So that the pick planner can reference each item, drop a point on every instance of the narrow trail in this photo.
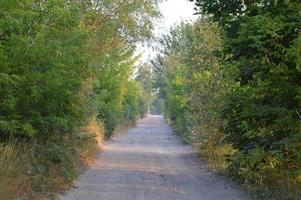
(149, 162)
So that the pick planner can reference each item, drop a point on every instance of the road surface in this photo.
(149, 162)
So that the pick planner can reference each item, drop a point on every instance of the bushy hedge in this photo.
(233, 77)
(61, 64)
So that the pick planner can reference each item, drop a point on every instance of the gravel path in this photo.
(149, 162)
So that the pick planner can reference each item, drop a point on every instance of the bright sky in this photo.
(173, 11)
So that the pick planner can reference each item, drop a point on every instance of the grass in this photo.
(283, 185)
(38, 172)
(280, 186)
(216, 156)
(14, 168)
(88, 142)
(122, 128)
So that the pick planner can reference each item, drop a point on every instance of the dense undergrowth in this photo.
(39, 171)
(231, 86)
(66, 80)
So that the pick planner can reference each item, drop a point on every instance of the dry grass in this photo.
(89, 142)
(14, 171)
(16, 165)
(122, 128)
(216, 156)
(96, 128)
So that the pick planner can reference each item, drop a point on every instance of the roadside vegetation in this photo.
(66, 81)
(231, 86)
(229, 83)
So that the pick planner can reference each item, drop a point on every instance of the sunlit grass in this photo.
(89, 141)
(216, 156)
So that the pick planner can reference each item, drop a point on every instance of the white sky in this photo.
(173, 11)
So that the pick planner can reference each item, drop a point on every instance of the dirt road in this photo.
(149, 162)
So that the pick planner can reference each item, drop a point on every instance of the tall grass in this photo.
(89, 141)
(216, 156)
(14, 169)
(280, 184)
(31, 171)
(269, 185)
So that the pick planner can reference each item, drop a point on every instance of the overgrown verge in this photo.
(231, 84)
(64, 65)
(14, 167)
(39, 171)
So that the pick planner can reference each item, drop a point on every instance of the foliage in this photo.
(132, 102)
(239, 87)
(157, 106)
(261, 113)
(62, 63)
(41, 48)
(191, 81)
(145, 78)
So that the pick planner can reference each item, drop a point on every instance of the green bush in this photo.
(157, 106)
(39, 60)
(239, 87)
(62, 62)
(53, 167)
(192, 84)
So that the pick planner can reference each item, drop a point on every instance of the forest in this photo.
(229, 84)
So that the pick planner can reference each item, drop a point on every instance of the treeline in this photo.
(231, 82)
(66, 68)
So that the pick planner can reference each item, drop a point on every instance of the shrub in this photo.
(62, 62)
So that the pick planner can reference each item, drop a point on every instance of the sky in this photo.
(173, 11)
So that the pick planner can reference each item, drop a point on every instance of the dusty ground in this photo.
(149, 162)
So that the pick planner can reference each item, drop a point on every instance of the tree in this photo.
(145, 77)
(191, 80)
(261, 112)
(62, 63)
